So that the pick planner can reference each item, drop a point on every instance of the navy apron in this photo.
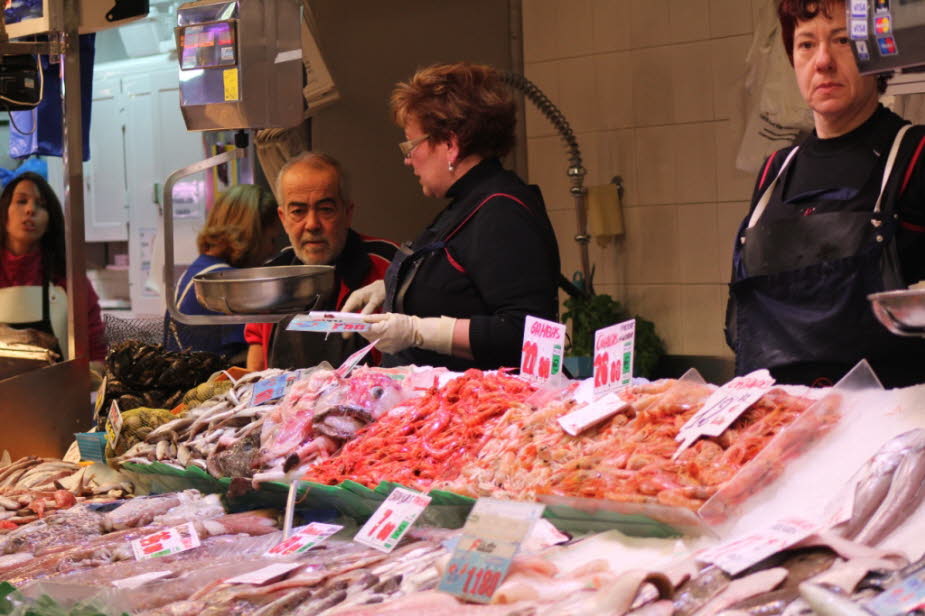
(800, 285)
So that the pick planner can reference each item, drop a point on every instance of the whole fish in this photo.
(905, 495)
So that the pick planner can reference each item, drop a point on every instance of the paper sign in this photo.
(355, 358)
(392, 519)
(541, 356)
(906, 597)
(329, 322)
(578, 421)
(114, 425)
(613, 357)
(735, 556)
(723, 407)
(491, 538)
(264, 575)
(304, 538)
(273, 388)
(140, 580)
(165, 542)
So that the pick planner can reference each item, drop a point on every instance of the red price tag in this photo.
(613, 357)
(392, 519)
(541, 353)
(168, 541)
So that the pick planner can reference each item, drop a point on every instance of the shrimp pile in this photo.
(429, 437)
(627, 458)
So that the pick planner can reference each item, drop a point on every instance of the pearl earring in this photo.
(451, 168)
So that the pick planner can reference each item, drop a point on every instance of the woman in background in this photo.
(32, 266)
(240, 231)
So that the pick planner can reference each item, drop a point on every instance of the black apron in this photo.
(800, 287)
(405, 265)
(44, 324)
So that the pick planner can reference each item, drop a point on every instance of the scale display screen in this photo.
(207, 45)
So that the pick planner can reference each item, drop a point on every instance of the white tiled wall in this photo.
(651, 89)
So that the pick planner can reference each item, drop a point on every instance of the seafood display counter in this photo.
(805, 492)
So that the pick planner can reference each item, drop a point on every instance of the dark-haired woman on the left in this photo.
(32, 265)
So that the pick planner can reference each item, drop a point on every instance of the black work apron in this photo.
(800, 285)
(406, 263)
(43, 325)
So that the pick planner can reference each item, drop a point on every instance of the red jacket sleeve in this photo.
(259, 333)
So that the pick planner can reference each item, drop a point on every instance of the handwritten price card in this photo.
(273, 388)
(736, 556)
(613, 357)
(723, 407)
(165, 542)
(304, 539)
(491, 537)
(328, 322)
(114, 425)
(392, 519)
(541, 356)
(355, 358)
(903, 598)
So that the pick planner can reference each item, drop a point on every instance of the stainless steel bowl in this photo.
(265, 290)
(901, 312)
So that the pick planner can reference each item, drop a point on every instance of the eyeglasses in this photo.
(407, 147)
(296, 212)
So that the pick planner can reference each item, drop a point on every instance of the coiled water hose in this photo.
(576, 172)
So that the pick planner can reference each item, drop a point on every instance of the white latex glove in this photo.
(366, 300)
(396, 332)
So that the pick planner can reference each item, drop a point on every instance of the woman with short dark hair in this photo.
(833, 220)
(32, 265)
(459, 294)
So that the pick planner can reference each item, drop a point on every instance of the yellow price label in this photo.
(230, 77)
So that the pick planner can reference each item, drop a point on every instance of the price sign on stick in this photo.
(168, 541)
(392, 519)
(740, 554)
(541, 355)
(613, 357)
(490, 540)
(304, 538)
(723, 407)
(114, 425)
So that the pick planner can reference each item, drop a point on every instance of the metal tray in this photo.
(901, 312)
(255, 290)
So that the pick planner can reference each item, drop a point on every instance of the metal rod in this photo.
(77, 321)
(169, 291)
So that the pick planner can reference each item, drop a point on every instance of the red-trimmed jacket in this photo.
(364, 260)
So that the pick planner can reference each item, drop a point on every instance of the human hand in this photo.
(396, 332)
(366, 300)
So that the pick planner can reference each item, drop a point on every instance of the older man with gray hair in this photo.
(316, 212)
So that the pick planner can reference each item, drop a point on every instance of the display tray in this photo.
(447, 509)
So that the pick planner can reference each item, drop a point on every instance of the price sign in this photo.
(264, 575)
(168, 541)
(304, 538)
(273, 388)
(355, 358)
(328, 322)
(392, 519)
(541, 355)
(490, 540)
(736, 556)
(114, 423)
(723, 407)
(613, 357)
(578, 421)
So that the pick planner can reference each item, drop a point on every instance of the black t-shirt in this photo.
(509, 259)
(844, 174)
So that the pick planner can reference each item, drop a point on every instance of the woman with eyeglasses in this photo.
(457, 296)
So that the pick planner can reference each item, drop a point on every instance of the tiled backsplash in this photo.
(652, 89)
